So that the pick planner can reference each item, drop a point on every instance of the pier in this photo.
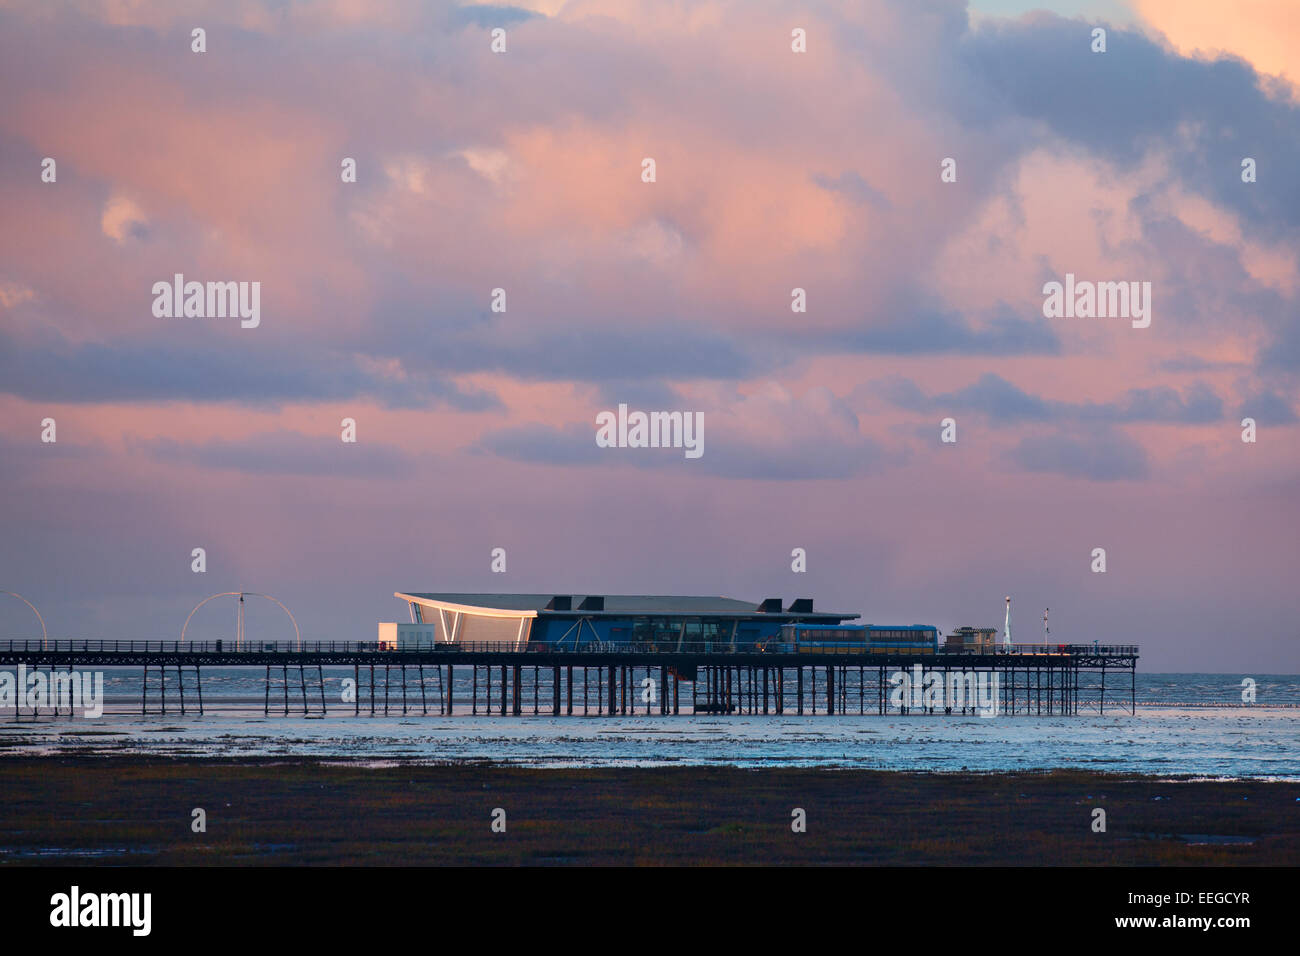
(613, 679)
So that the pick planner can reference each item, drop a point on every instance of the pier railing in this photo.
(183, 648)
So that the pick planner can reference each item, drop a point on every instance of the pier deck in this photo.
(608, 679)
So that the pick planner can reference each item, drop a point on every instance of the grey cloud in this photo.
(1267, 407)
(1004, 402)
(932, 332)
(1139, 95)
(53, 369)
(284, 453)
(646, 394)
(1101, 455)
(489, 15)
(851, 184)
(781, 459)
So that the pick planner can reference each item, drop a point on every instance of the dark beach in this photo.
(138, 811)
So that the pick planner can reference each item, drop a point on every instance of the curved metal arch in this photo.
(297, 637)
(44, 638)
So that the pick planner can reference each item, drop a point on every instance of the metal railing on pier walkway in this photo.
(333, 648)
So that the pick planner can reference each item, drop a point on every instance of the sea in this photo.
(1182, 726)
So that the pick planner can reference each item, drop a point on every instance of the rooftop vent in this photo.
(592, 602)
(801, 606)
(561, 602)
(770, 606)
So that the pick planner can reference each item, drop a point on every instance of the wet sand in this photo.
(138, 811)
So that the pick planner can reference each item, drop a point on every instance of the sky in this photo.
(774, 170)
